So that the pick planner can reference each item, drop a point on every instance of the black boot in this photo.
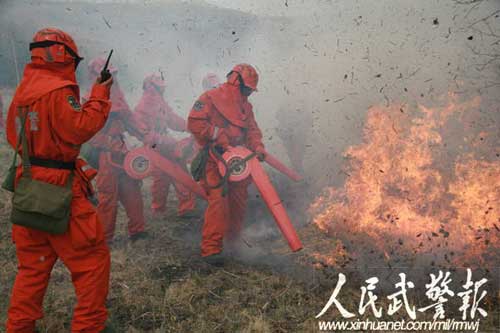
(216, 260)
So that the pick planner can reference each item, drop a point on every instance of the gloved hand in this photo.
(261, 153)
(107, 82)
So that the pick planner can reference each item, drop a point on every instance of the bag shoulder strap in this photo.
(24, 143)
(19, 137)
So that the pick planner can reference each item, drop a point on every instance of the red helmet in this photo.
(97, 64)
(210, 81)
(248, 75)
(54, 45)
(154, 80)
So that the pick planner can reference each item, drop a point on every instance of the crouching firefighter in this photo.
(220, 118)
(52, 217)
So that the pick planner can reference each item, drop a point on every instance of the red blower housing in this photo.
(240, 164)
(140, 162)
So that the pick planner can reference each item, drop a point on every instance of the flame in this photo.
(405, 196)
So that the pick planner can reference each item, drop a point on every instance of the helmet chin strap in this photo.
(244, 89)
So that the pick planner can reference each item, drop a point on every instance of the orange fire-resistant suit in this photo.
(223, 117)
(156, 116)
(56, 126)
(113, 184)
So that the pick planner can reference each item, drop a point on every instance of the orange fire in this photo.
(418, 187)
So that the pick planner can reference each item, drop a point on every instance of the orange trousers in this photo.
(83, 251)
(159, 192)
(224, 215)
(114, 185)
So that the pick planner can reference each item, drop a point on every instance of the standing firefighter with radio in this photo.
(51, 213)
(221, 118)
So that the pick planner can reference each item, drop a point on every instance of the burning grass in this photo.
(409, 195)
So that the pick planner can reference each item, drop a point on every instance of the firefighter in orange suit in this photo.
(223, 117)
(113, 183)
(157, 117)
(57, 125)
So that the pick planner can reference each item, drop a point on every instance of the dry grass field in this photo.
(161, 285)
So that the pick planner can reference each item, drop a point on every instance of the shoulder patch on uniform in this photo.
(74, 103)
(198, 105)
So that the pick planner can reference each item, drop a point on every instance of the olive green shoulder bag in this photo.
(37, 204)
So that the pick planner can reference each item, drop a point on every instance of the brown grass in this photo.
(161, 284)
